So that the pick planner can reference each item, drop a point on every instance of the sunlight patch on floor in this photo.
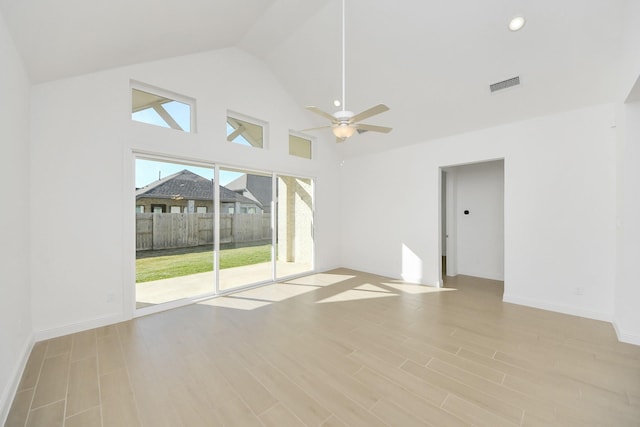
(320, 279)
(276, 292)
(365, 291)
(261, 296)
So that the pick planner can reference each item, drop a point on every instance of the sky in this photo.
(148, 171)
(180, 112)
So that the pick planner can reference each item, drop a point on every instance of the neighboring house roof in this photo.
(256, 187)
(190, 186)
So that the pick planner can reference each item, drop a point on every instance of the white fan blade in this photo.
(380, 108)
(318, 128)
(373, 128)
(321, 113)
(233, 135)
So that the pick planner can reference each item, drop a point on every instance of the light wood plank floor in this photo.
(341, 348)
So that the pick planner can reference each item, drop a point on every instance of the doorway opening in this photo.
(472, 220)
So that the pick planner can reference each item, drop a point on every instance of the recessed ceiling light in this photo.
(517, 23)
(336, 103)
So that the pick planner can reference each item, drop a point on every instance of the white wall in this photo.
(559, 208)
(627, 292)
(627, 311)
(15, 303)
(480, 234)
(82, 170)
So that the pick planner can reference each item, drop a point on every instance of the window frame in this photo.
(161, 206)
(311, 139)
(174, 96)
(251, 120)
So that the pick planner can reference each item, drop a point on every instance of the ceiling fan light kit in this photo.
(345, 124)
(343, 131)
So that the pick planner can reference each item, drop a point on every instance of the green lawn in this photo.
(185, 262)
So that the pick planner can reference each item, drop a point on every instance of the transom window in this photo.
(245, 131)
(299, 146)
(159, 108)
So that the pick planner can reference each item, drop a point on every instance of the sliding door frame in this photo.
(159, 157)
(216, 291)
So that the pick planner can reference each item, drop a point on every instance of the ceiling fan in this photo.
(345, 123)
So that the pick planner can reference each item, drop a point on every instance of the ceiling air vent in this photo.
(514, 81)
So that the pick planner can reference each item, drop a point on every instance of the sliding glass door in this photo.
(205, 230)
(174, 231)
(294, 250)
(246, 231)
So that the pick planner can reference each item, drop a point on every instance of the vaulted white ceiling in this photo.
(430, 61)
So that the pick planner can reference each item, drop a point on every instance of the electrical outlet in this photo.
(579, 290)
(110, 297)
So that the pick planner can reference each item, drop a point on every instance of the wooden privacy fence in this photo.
(183, 230)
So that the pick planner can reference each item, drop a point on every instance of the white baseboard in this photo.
(565, 309)
(9, 392)
(415, 280)
(625, 336)
(79, 327)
